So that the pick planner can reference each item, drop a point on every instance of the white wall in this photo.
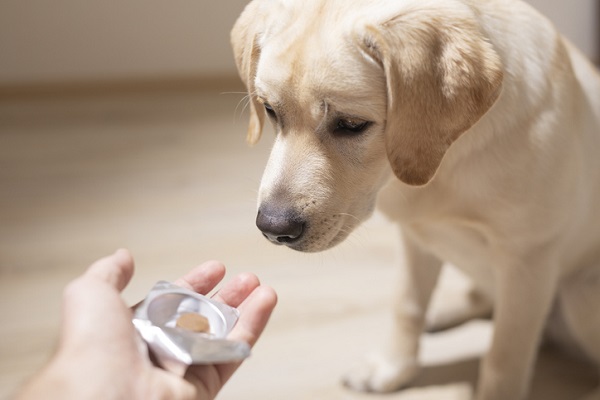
(578, 20)
(66, 40)
(82, 40)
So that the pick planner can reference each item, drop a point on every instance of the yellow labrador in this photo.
(476, 124)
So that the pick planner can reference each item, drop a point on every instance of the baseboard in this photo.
(120, 86)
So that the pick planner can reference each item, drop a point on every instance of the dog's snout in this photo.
(279, 226)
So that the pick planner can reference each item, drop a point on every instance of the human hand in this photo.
(100, 355)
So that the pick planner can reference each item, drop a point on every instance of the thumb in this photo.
(93, 300)
(116, 269)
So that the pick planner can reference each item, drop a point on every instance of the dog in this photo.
(473, 124)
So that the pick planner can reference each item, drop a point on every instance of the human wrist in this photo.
(51, 382)
(63, 377)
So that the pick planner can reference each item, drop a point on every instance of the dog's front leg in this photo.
(524, 294)
(397, 365)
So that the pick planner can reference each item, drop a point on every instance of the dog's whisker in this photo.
(348, 215)
(223, 93)
(245, 100)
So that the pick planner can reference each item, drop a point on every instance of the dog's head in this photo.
(352, 89)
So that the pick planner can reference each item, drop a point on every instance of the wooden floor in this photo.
(169, 176)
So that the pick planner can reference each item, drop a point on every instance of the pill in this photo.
(193, 322)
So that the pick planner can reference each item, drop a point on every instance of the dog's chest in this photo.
(446, 227)
(460, 242)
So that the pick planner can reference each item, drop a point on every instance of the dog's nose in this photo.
(279, 226)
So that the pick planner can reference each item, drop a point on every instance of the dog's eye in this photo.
(351, 125)
(269, 110)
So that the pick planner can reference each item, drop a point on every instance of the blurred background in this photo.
(122, 124)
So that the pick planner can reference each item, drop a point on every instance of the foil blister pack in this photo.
(176, 346)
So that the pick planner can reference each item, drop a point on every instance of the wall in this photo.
(79, 40)
(578, 20)
(45, 41)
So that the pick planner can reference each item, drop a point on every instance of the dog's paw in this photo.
(378, 374)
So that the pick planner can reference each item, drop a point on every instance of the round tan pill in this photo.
(193, 322)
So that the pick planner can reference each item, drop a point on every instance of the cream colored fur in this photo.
(482, 142)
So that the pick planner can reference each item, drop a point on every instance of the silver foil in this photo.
(174, 348)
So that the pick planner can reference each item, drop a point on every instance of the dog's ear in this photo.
(442, 76)
(246, 51)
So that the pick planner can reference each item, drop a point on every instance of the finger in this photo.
(116, 269)
(234, 292)
(255, 312)
(203, 278)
